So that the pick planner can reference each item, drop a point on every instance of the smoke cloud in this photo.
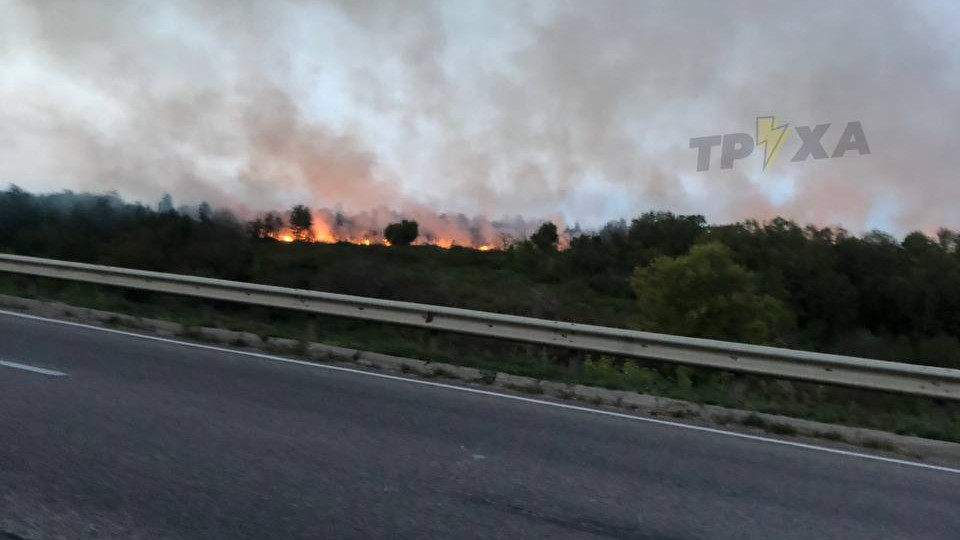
(572, 111)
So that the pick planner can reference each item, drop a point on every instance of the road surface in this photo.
(106, 435)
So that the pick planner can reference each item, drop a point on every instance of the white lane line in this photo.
(566, 406)
(34, 369)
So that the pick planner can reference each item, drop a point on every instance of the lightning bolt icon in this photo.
(771, 137)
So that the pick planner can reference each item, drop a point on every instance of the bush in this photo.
(706, 294)
(546, 237)
(403, 233)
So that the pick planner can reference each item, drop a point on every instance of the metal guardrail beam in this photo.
(782, 363)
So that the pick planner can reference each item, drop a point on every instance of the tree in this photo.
(166, 204)
(204, 212)
(403, 233)
(272, 223)
(662, 233)
(707, 294)
(301, 222)
(506, 240)
(256, 228)
(546, 237)
(948, 240)
(266, 226)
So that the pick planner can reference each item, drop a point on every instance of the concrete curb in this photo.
(915, 447)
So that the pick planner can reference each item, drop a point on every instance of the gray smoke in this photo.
(574, 111)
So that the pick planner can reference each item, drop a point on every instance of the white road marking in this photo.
(34, 369)
(566, 406)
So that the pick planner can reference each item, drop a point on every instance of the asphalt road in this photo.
(147, 439)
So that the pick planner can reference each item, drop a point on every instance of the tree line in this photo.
(776, 282)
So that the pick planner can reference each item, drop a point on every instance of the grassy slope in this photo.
(458, 277)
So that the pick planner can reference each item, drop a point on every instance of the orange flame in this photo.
(324, 231)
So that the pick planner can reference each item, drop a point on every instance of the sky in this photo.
(576, 111)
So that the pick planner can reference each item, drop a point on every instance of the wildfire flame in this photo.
(441, 230)
(322, 236)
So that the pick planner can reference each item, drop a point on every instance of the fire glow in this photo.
(441, 230)
(287, 236)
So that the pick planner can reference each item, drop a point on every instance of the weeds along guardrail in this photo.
(934, 382)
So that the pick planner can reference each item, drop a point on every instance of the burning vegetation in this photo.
(387, 228)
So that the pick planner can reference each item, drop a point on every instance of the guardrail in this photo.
(737, 357)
